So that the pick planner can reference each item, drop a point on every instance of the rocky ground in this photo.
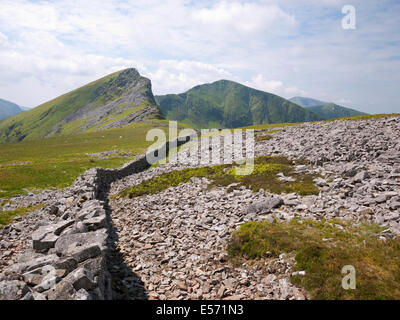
(175, 242)
(16, 238)
(172, 245)
(360, 165)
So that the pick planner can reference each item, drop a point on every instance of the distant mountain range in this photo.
(228, 104)
(125, 97)
(8, 109)
(326, 110)
(117, 100)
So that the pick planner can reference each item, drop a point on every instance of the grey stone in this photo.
(46, 236)
(97, 265)
(80, 239)
(380, 199)
(81, 279)
(20, 268)
(265, 206)
(13, 290)
(395, 205)
(34, 277)
(47, 283)
(64, 290)
(38, 296)
(349, 170)
(44, 243)
(82, 253)
(68, 264)
(53, 210)
(5, 244)
(82, 294)
(28, 297)
(95, 223)
(361, 176)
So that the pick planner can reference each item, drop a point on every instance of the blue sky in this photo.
(287, 47)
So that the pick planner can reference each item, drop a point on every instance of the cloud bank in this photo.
(285, 47)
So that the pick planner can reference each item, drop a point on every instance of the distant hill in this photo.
(307, 102)
(227, 104)
(325, 109)
(332, 111)
(116, 100)
(8, 109)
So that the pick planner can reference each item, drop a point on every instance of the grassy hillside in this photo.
(307, 102)
(229, 104)
(57, 161)
(325, 109)
(8, 109)
(113, 101)
(332, 111)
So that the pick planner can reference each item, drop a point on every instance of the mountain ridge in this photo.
(307, 102)
(226, 103)
(116, 100)
(328, 110)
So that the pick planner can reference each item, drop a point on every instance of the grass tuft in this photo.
(264, 177)
(322, 249)
(6, 217)
(263, 138)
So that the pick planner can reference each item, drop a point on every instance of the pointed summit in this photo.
(116, 100)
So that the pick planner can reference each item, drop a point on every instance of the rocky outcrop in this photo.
(67, 256)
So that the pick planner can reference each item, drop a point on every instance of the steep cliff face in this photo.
(117, 100)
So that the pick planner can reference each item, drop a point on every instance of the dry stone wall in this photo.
(67, 256)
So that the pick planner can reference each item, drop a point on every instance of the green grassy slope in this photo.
(229, 104)
(307, 102)
(57, 161)
(332, 111)
(326, 110)
(62, 115)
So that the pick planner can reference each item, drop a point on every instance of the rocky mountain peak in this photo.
(119, 99)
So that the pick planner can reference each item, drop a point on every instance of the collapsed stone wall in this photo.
(67, 258)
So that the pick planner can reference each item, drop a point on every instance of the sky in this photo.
(286, 47)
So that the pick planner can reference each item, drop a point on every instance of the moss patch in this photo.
(263, 137)
(264, 176)
(322, 249)
(6, 217)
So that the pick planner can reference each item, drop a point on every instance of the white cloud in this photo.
(172, 76)
(258, 82)
(242, 17)
(3, 40)
(292, 91)
(274, 86)
(39, 65)
(23, 14)
(286, 47)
